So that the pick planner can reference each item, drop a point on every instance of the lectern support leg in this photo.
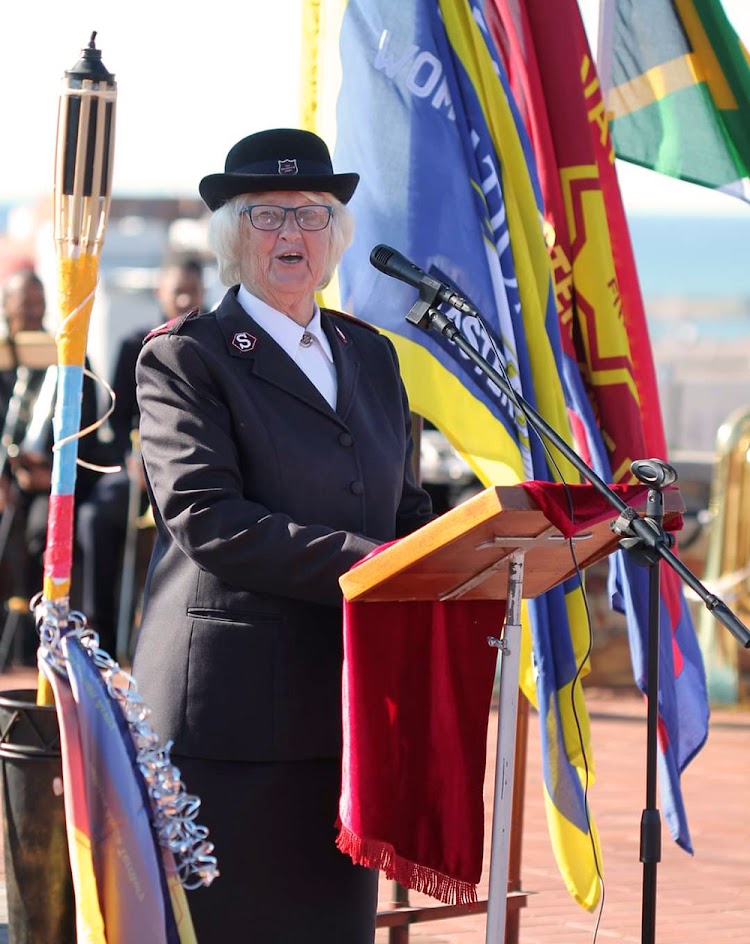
(509, 647)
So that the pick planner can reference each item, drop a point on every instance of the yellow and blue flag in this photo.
(415, 97)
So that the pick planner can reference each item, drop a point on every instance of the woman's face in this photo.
(283, 266)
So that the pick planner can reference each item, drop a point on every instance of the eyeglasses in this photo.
(312, 216)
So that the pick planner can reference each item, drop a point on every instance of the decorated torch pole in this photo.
(129, 883)
(82, 192)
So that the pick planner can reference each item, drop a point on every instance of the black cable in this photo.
(589, 647)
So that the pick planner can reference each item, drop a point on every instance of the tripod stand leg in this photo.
(506, 749)
(651, 820)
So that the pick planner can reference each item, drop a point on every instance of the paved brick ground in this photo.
(700, 900)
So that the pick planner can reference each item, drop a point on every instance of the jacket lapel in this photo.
(346, 360)
(246, 341)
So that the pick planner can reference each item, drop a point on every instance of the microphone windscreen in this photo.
(381, 256)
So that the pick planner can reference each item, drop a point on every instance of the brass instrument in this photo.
(27, 428)
(19, 418)
(14, 416)
(16, 603)
(38, 434)
(126, 614)
(727, 565)
(33, 356)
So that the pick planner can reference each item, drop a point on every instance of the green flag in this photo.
(676, 83)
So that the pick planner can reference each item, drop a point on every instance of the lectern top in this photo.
(464, 553)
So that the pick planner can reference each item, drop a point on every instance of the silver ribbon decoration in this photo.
(174, 809)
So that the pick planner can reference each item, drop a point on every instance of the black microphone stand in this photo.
(642, 537)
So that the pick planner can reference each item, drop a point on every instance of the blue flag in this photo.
(423, 113)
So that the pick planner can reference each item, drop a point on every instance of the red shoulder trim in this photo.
(347, 317)
(174, 325)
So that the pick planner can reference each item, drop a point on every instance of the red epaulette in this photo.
(347, 317)
(174, 325)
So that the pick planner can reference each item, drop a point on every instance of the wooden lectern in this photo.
(498, 545)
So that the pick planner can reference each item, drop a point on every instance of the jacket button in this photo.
(357, 487)
(346, 439)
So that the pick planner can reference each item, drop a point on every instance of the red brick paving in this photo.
(700, 899)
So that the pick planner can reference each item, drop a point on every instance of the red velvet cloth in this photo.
(573, 507)
(417, 687)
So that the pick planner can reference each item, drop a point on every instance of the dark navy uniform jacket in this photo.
(263, 496)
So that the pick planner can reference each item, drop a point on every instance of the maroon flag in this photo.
(603, 324)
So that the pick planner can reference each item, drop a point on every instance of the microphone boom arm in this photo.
(424, 316)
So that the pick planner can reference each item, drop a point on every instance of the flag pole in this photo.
(82, 193)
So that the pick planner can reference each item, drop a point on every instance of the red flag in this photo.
(598, 296)
(604, 327)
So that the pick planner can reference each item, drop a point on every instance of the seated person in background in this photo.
(28, 398)
(103, 519)
(23, 306)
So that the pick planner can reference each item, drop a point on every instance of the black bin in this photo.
(41, 905)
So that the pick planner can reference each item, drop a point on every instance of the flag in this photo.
(676, 83)
(126, 886)
(604, 330)
(447, 178)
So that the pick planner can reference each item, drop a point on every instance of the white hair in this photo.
(224, 236)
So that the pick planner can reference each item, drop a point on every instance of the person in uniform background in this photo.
(30, 393)
(277, 445)
(23, 308)
(103, 519)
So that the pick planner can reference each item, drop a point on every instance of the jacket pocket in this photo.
(229, 710)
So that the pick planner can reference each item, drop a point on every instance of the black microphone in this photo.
(393, 263)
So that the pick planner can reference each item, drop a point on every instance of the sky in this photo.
(194, 80)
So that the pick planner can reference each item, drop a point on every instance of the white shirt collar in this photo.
(285, 332)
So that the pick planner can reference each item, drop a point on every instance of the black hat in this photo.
(280, 159)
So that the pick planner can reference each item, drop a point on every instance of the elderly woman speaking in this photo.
(277, 444)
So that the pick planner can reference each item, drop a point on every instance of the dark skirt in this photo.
(282, 881)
